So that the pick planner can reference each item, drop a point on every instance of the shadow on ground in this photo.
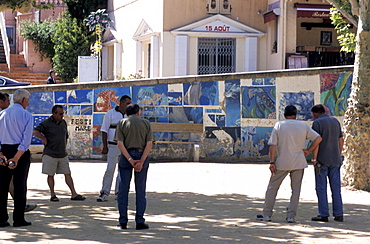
(183, 217)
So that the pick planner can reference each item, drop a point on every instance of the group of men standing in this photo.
(289, 138)
(127, 141)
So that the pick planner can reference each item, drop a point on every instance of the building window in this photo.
(10, 32)
(219, 6)
(216, 55)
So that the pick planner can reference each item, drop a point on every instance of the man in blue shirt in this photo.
(327, 155)
(16, 124)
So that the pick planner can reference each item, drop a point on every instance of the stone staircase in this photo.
(20, 72)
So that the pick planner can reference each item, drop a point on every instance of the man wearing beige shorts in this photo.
(53, 133)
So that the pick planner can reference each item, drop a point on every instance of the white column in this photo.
(138, 56)
(181, 55)
(250, 63)
(154, 59)
(117, 71)
(104, 63)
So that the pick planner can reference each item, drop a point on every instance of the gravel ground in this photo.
(187, 203)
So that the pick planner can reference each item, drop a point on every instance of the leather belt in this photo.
(112, 143)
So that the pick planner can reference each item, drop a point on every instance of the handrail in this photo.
(5, 39)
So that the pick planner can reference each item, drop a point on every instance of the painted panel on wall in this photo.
(264, 81)
(259, 102)
(302, 100)
(80, 96)
(232, 97)
(107, 98)
(36, 121)
(201, 93)
(224, 140)
(60, 96)
(155, 114)
(150, 95)
(97, 139)
(175, 98)
(334, 92)
(254, 140)
(186, 115)
(80, 135)
(41, 103)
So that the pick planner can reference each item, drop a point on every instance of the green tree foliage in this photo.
(22, 6)
(346, 38)
(41, 35)
(70, 41)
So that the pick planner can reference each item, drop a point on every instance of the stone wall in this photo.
(237, 111)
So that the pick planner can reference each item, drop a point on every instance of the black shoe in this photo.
(142, 226)
(122, 226)
(30, 207)
(4, 224)
(339, 218)
(320, 218)
(19, 224)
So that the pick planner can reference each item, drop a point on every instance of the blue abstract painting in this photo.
(186, 115)
(259, 102)
(36, 121)
(41, 103)
(302, 100)
(264, 81)
(201, 93)
(155, 114)
(225, 138)
(232, 97)
(254, 140)
(175, 98)
(60, 96)
(155, 95)
(80, 96)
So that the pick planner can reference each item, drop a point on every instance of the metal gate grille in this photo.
(216, 55)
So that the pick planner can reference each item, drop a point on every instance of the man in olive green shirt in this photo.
(135, 138)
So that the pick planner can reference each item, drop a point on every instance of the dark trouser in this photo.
(125, 170)
(20, 174)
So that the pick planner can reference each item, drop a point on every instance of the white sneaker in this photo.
(263, 217)
(290, 220)
(102, 198)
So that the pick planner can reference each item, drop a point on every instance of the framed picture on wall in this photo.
(326, 38)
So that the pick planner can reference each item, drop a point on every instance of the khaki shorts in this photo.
(52, 166)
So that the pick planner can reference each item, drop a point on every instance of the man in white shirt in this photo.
(288, 138)
(110, 147)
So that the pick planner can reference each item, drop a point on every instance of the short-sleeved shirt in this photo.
(56, 135)
(111, 118)
(330, 130)
(290, 136)
(134, 132)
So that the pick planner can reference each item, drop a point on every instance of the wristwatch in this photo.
(129, 159)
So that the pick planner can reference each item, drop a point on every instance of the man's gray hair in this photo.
(20, 94)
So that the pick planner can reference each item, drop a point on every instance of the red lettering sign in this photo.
(217, 28)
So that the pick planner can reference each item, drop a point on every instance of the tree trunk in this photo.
(357, 117)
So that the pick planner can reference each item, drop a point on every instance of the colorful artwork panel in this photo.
(259, 102)
(74, 110)
(186, 115)
(41, 103)
(221, 120)
(80, 96)
(201, 93)
(150, 95)
(155, 114)
(36, 121)
(302, 100)
(334, 92)
(107, 98)
(254, 140)
(175, 98)
(97, 139)
(232, 96)
(86, 109)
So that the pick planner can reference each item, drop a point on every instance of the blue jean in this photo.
(332, 173)
(125, 170)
